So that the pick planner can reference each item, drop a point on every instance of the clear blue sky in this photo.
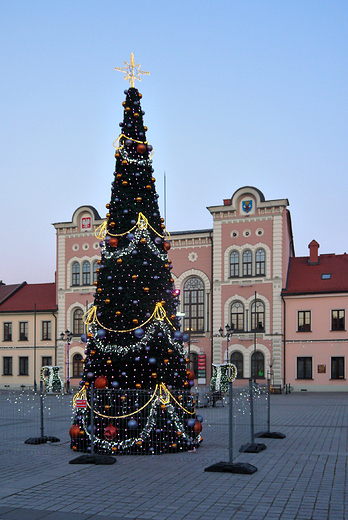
(246, 92)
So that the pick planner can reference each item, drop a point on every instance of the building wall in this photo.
(321, 344)
(34, 348)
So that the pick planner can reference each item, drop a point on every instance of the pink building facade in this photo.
(315, 328)
(231, 274)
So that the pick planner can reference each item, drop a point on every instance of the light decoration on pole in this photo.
(67, 336)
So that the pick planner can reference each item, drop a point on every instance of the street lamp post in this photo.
(229, 332)
(67, 337)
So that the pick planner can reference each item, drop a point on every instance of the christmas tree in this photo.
(135, 357)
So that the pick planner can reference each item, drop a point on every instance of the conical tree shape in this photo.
(134, 346)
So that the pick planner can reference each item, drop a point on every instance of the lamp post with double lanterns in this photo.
(67, 336)
(229, 332)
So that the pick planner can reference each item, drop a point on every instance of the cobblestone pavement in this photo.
(301, 477)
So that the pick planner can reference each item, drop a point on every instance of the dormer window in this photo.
(326, 276)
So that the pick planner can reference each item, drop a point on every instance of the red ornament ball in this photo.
(166, 245)
(190, 375)
(74, 431)
(113, 241)
(110, 432)
(141, 148)
(101, 382)
(197, 427)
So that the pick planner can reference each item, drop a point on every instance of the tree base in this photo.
(93, 459)
(242, 468)
(41, 440)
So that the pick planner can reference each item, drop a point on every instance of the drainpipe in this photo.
(284, 340)
(211, 307)
(55, 339)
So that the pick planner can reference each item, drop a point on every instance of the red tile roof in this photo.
(7, 290)
(41, 294)
(307, 279)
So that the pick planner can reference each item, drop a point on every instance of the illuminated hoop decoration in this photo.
(50, 376)
(232, 372)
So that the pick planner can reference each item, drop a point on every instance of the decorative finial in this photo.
(132, 71)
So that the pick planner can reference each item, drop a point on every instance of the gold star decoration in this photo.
(131, 71)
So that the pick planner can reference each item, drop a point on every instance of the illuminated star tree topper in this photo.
(132, 71)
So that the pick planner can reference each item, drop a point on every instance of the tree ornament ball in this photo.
(141, 148)
(139, 199)
(101, 333)
(101, 382)
(191, 423)
(74, 431)
(166, 245)
(197, 427)
(190, 375)
(113, 242)
(139, 333)
(132, 424)
(110, 432)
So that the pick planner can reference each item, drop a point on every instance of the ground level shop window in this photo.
(304, 368)
(337, 368)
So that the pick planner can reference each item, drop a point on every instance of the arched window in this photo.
(257, 365)
(258, 316)
(234, 264)
(194, 305)
(95, 267)
(77, 365)
(78, 326)
(86, 273)
(237, 316)
(260, 262)
(247, 262)
(237, 359)
(193, 363)
(75, 273)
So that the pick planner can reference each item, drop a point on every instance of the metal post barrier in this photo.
(238, 425)
(268, 434)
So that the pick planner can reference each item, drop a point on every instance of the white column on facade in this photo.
(277, 301)
(61, 288)
(217, 302)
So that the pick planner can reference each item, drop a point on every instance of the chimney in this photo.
(227, 202)
(313, 253)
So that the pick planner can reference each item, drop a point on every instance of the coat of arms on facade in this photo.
(247, 205)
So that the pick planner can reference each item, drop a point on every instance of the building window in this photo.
(194, 305)
(237, 360)
(77, 365)
(8, 331)
(23, 366)
(78, 325)
(193, 363)
(234, 264)
(75, 273)
(23, 331)
(95, 273)
(260, 262)
(7, 366)
(337, 368)
(304, 321)
(257, 365)
(338, 320)
(304, 368)
(247, 263)
(258, 316)
(86, 273)
(46, 361)
(237, 316)
(46, 331)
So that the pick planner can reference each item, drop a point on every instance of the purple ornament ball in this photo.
(132, 424)
(139, 333)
